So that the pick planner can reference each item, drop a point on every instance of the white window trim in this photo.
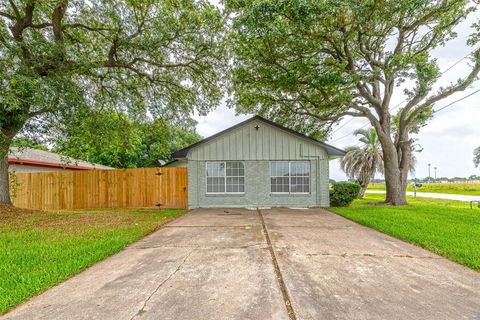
(290, 176)
(225, 177)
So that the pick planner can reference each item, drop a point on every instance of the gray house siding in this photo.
(256, 144)
(266, 143)
(257, 189)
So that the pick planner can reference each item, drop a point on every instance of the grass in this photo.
(468, 189)
(41, 249)
(448, 228)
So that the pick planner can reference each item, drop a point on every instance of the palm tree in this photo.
(361, 163)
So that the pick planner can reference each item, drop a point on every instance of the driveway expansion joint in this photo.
(278, 273)
(357, 255)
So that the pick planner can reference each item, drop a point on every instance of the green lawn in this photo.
(42, 249)
(468, 189)
(448, 228)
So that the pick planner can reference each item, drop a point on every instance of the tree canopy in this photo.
(310, 63)
(122, 142)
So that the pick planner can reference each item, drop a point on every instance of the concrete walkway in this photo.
(273, 264)
(444, 196)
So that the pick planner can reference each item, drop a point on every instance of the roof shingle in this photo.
(30, 154)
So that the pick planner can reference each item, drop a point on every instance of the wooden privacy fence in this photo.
(122, 188)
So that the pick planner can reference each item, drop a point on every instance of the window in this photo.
(290, 177)
(300, 177)
(225, 177)
(235, 176)
(279, 177)
(215, 177)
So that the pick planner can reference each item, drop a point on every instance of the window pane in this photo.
(235, 168)
(215, 169)
(209, 185)
(279, 184)
(300, 168)
(300, 188)
(279, 169)
(215, 184)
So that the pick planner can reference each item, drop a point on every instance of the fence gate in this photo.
(122, 188)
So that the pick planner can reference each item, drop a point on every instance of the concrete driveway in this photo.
(268, 264)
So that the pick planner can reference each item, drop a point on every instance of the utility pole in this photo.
(435, 173)
(429, 176)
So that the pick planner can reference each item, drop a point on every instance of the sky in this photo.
(449, 138)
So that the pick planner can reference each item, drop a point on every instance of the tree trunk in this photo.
(6, 138)
(4, 182)
(394, 181)
(363, 189)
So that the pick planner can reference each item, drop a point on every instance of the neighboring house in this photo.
(257, 163)
(34, 160)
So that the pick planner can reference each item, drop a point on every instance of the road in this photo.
(444, 196)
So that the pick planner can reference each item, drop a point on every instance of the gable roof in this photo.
(331, 150)
(35, 157)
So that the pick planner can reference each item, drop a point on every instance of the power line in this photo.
(336, 130)
(396, 106)
(444, 107)
(404, 100)
(347, 135)
(458, 100)
(453, 65)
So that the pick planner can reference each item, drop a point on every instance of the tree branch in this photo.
(40, 25)
(83, 26)
(6, 15)
(366, 113)
(57, 17)
(460, 86)
(15, 9)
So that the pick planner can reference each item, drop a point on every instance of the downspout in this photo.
(317, 180)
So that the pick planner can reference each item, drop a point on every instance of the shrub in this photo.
(342, 194)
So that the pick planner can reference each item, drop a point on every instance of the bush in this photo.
(342, 194)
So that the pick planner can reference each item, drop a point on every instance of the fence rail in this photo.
(122, 188)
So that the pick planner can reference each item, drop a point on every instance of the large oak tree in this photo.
(137, 56)
(311, 63)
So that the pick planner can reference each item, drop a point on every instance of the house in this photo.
(257, 163)
(34, 160)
